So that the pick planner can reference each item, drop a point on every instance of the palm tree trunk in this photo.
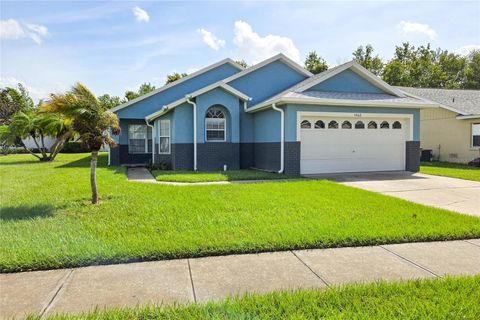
(93, 179)
(44, 155)
(29, 151)
(59, 143)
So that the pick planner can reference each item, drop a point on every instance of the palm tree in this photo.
(91, 121)
(36, 126)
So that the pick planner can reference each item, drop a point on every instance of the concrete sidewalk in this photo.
(212, 278)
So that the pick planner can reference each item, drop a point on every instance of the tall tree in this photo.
(13, 100)
(91, 120)
(365, 57)
(144, 88)
(472, 71)
(109, 101)
(314, 63)
(242, 62)
(425, 68)
(174, 77)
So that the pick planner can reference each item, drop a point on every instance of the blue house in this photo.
(273, 116)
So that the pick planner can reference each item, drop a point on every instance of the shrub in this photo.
(74, 147)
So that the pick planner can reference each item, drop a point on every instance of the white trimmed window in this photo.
(215, 123)
(164, 137)
(138, 138)
(476, 135)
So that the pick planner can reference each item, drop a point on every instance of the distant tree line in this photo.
(421, 67)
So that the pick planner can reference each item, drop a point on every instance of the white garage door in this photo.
(349, 144)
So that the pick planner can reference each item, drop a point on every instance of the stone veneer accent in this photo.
(412, 156)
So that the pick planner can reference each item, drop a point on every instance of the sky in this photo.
(114, 46)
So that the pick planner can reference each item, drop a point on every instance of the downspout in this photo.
(282, 137)
(194, 131)
(153, 141)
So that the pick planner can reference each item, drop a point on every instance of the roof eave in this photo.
(468, 117)
(342, 102)
(206, 89)
(181, 80)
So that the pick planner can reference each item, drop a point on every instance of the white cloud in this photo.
(140, 14)
(252, 47)
(465, 50)
(11, 29)
(211, 40)
(37, 28)
(408, 27)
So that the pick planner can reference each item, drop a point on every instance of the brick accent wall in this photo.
(246, 155)
(120, 156)
(292, 158)
(267, 156)
(182, 156)
(212, 156)
(412, 156)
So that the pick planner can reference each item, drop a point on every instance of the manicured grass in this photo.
(47, 221)
(448, 298)
(231, 175)
(453, 170)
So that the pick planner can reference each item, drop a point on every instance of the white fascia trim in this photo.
(194, 94)
(342, 102)
(361, 71)
(467, 117)
(181, 80)
(279, 56)
(301, 114)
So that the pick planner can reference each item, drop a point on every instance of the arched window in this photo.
(359, 125)
(346, 125)
(384, 125)
(333, 124)
(305, 124)
(319, 124)
(372, 125)
(397, 125)
(215, 122)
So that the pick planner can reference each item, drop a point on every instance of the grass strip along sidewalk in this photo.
(446, 298)
(452, 170)
(231, 175)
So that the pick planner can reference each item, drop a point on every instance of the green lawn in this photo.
(447, 298)
(47, 221)
(454, 170)
(231, 175)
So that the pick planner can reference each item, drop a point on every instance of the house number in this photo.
(357, 114)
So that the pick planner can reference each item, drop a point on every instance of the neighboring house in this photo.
(452, 132)
(274, 116)
(30, 143)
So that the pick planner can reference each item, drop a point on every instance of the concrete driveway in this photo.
(447, 193)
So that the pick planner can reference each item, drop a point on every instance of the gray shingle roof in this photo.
(377, 97)
(467, 102)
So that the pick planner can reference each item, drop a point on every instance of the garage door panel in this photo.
(352, 150)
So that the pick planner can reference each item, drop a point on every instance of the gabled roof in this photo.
(464, 102)
(280, 57)
(355, 67)
(298, 94)
(219, 84)
(181, 80)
